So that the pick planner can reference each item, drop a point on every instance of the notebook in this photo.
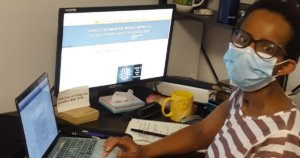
(159, 127)
(37, 118)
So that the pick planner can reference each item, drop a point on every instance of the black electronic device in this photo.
(112, 47)
(150, 110)
(39, 128)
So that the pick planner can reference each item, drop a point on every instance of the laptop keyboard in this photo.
(77, 148)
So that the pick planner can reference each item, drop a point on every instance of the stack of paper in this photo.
(121, 106)
(159, 127)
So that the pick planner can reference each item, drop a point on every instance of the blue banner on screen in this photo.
(84, 35)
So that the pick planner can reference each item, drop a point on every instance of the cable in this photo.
(296, 90)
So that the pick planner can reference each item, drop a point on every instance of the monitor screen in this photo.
(104, 47)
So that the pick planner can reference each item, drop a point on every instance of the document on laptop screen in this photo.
(36, 111)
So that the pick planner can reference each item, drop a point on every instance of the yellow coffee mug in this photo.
(181, 105)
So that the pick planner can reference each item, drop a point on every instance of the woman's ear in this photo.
(287, 67)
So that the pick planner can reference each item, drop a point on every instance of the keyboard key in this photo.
(77, 148)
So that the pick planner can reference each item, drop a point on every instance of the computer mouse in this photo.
(191, 119)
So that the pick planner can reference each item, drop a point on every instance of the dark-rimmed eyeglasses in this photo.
(264, 48)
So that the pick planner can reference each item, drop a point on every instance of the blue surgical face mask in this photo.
(247, 70)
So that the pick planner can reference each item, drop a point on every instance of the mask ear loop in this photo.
(282, 81)
(282, 62)
(279, 72)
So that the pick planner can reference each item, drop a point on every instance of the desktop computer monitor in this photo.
(107, 47)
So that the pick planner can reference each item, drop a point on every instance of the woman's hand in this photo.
(128, 147)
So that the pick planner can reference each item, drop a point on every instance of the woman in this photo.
(258, 120)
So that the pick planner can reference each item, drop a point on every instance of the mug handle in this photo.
(163, 107)
(198, 4)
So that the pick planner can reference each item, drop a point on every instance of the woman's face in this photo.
(267, 25)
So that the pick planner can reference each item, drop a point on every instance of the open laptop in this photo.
(39, 127)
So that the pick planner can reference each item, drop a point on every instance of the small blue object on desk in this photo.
(94, 134)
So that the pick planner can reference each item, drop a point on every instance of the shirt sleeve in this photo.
(283, 145)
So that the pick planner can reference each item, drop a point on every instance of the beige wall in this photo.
(28, 44)
(28, 41)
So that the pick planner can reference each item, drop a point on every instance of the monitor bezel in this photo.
(95, 90)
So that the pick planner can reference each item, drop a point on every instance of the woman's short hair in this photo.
(289, 9)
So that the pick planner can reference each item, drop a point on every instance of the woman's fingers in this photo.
(126, 144)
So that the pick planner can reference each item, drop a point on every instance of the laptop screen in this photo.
(37, 117)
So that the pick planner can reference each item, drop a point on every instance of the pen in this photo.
(94, 134)
(147, 132)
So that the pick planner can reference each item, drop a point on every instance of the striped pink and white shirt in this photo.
(264, 136)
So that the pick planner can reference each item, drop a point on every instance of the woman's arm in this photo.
(191, 138)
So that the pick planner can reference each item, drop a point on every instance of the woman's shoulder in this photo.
(235, 94)
(235, 99)
(284, 121)
(297, 121)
